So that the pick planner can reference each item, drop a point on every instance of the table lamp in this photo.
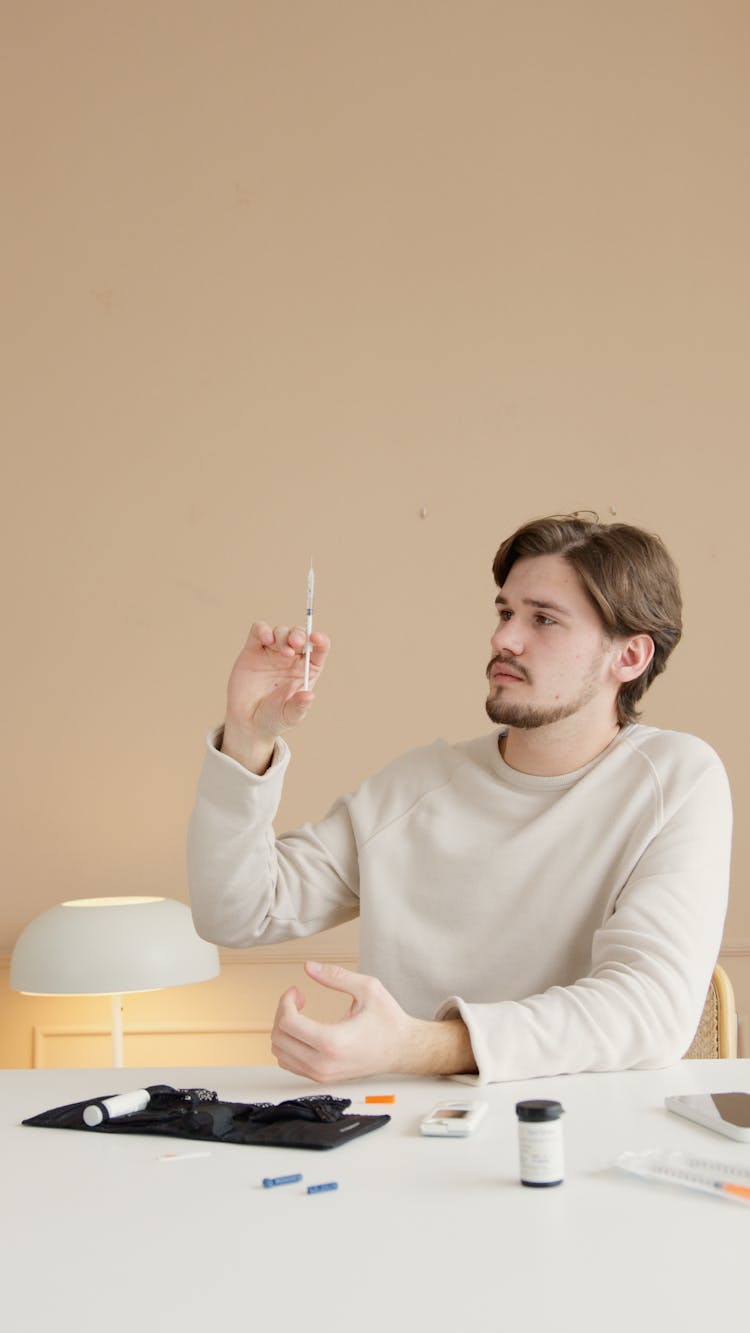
(111, 946)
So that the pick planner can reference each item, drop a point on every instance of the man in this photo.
(546, 899)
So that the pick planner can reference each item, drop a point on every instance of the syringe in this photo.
(696, 1173)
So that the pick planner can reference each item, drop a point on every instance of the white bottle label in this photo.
(540, 1148)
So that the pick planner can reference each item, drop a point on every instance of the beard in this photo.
(527, 717)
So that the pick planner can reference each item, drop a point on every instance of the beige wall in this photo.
(278, 277)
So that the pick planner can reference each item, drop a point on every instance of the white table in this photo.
(424, 1234)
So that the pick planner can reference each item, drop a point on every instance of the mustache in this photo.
(503, 659)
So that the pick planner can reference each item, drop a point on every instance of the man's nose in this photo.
(508, 638)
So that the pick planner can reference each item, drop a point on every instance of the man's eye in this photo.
(503, 613)
(546, 620)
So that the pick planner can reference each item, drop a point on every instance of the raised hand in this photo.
(265, 695)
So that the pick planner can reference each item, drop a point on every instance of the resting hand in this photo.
(376, 1036)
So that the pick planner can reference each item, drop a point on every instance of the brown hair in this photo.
(628, 574)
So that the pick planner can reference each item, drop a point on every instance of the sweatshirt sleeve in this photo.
(249, 887)
(639, 1005)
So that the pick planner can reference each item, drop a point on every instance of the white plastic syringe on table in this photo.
(697, 1173)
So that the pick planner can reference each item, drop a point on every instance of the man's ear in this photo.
(632, 657)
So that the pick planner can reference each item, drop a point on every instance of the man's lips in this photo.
(500, 672)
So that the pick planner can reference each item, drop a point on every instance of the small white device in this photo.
(453, 1120)
(726, 1112)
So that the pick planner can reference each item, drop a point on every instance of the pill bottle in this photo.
(540, 1145)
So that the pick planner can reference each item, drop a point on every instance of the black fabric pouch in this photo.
(195, 1113)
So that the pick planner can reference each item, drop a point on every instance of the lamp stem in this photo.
(116, 1008)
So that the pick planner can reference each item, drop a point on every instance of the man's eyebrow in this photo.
(540, 606)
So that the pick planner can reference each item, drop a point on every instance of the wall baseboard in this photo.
(149, 1045)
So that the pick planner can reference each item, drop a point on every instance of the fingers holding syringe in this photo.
(282, 642)
(267, 683)
(301, 682)
(320, 646)
(316, 648)
(300, 699)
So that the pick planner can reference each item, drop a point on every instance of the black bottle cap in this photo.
(539, 1110)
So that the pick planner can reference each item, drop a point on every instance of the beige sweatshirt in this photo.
(573, 922)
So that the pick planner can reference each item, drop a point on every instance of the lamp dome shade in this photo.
(109, 946)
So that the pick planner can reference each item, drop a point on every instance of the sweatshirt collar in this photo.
(532, 781)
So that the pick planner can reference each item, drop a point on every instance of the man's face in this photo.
(551, 654)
